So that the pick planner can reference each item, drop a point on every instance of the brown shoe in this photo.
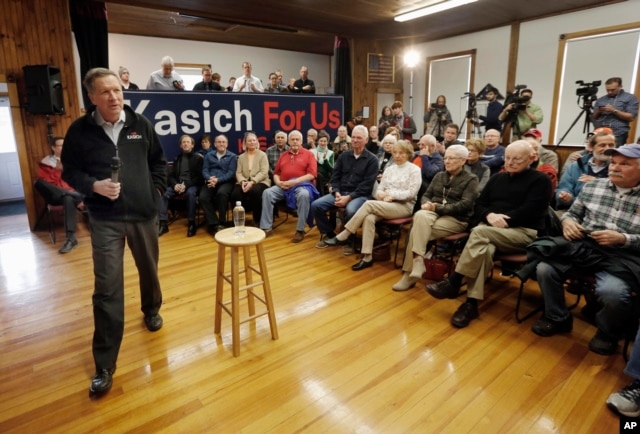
(299, 236)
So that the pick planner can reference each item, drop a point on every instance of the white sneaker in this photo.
(418, 268)
(626, 401)
(407, 282)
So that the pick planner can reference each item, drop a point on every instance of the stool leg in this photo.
(249, 280)
(219, 288)
(267, 292)
(235, 302)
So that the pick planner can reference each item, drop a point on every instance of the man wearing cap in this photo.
(617, 109)
(586, 169)
(546, 156)
(601, 236)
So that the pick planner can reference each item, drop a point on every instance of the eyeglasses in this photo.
(516, 160)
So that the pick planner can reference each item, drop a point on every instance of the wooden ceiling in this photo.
(311, 25)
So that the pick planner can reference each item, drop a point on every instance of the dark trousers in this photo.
(58, 196)
(251, 200)
(190, 196)
(214, 202)
(107, 241)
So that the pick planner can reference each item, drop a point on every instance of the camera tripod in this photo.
(473, 123)
(587, 111)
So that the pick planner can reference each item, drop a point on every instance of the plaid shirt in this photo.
(273, 155)
(600, 206)
(625, 102)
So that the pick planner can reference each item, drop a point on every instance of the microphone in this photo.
(115, 169)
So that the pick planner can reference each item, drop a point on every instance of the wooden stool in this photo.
(252, 237)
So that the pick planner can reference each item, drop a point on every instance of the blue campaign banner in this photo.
(232, 114)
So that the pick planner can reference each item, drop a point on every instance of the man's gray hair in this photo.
(431, 140)
(95, 73)
(167, 60)
(364, 129)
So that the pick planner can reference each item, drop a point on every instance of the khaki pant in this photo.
(371, 212)
(477, 257)
(427, 226)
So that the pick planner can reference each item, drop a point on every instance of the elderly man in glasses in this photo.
(510, 211)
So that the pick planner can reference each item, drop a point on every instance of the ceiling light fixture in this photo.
(433, 9)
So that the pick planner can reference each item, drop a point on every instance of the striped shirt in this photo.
(601, 206)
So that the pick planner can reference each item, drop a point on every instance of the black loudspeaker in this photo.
(44, 90)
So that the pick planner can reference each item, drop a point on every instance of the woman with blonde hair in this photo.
(252, 176)
(395, 198)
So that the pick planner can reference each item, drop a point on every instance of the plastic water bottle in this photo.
(238, 220)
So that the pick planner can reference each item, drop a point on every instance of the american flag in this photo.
(381, 69)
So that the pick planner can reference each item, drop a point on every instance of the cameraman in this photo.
(616, 110)
(437, 118)
(492, 120)
(528, 114)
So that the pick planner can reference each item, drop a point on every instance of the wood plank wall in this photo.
(37, 32)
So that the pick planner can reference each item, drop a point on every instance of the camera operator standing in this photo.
(437, 118)
(616, 110)
(521, 113)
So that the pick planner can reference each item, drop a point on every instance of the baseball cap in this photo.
(603, 130)
(631, 151)
(533, 132)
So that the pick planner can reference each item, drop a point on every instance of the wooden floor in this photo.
(353, 356)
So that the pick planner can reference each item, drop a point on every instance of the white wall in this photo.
(537, 52)
(142, 55)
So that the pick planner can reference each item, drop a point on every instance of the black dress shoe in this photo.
(212, 229)
(442, 289)
(362, 265)
(102, 381)
(153, 322)
(68, 246)
(463, 316)
(547, 327)
(191, 231)
(163, 228)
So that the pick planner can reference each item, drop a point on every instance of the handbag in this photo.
(437, 268)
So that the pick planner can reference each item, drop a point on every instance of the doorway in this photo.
(10, 176)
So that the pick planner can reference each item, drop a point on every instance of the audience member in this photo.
(219, 172)
(545, 156)
(312, 136)
(120, 213)
(627, 400)
(293, 180)
(616, 110)
(274, 85)
(304, 84)
(292, 85)
(207, 83)
(601, 236)
(545, 168)
(232, 83)
(252, 177)
(351, 185)
(493, 155)
(474, 164)
(386, 118)
(165, 78)
(373, 145)
(446, 208)
(428, 159)
(524, 118)
(123, 73)
(385, 159)
(575, 155)
(342, 142)
(511, 210)
(275, 151)
(205, 145)
(56, 191)
(586, 169)
(450, 137)
(437, 118)
(491, 120)
(325, 158)
(247, 83)
(403, 122)
(279, 76)
(185, 178)
(357, 120)
(395, 198)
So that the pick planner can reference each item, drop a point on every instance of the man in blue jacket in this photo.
(219, 172)
(110, 141)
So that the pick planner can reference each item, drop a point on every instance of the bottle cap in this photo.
(238, 203)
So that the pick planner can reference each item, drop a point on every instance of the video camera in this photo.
(587, 89)
(472, 100)
(520, 102)
(439, 111)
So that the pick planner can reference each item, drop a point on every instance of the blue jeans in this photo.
(633, 365)
(613, 293)
(275, 194)
(190, 194)
(322, 205)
